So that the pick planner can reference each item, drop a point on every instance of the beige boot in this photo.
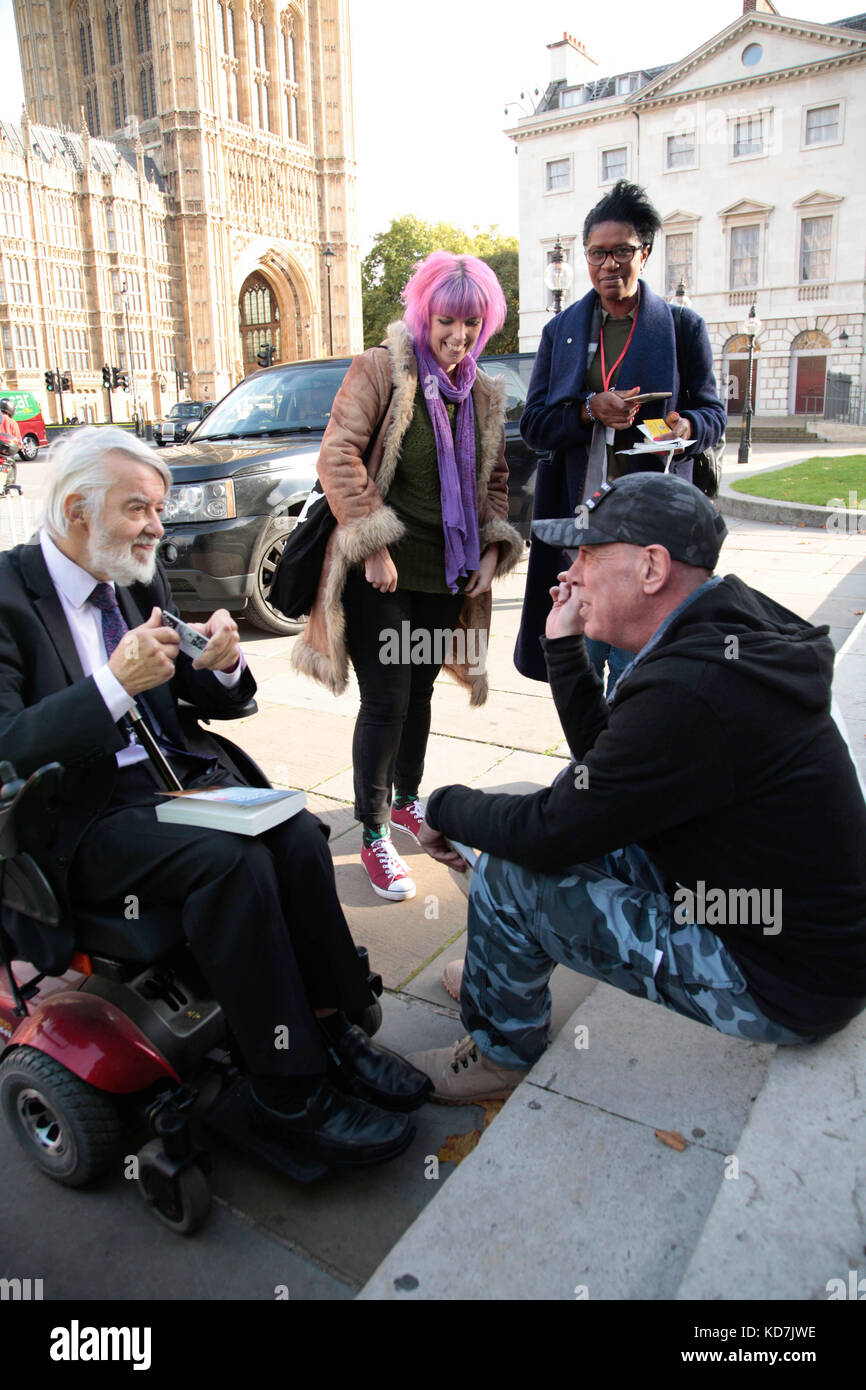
(462, 1075)
(452, 978)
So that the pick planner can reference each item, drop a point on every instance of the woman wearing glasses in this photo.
(594, 359)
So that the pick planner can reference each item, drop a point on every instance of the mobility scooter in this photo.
(129, 1033)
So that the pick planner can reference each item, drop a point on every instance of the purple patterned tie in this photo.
(114, 629)
(114, 625)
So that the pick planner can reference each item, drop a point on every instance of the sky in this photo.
(430, 85)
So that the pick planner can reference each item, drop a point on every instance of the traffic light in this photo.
(106, 378)
(123, 381)
(116, 378)
(49, 381)
(66, 381)
(266, 354)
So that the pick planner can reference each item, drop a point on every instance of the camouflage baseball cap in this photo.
(643, 509)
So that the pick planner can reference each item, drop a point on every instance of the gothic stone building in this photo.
(166, 201)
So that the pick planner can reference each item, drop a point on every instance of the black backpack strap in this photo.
(677, 312)
(707, 465)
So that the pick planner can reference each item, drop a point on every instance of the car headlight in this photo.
(200, 502)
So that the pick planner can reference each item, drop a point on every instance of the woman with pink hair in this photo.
(413, 467)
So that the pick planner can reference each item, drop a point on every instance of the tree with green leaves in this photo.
(394, 253)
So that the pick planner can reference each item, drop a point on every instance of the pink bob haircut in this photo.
(460, 287)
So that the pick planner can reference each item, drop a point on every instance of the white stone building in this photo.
(751, 148)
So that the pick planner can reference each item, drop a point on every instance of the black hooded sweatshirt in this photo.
(719, 757)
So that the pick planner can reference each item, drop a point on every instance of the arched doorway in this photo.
(735, 372)
(808, 372)
(259, 313)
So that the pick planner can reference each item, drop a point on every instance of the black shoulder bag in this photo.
(707, 466)
(297, 575)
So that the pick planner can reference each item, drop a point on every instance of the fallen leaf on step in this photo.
(458, 1146)
(672, 1138)
(491, 1109)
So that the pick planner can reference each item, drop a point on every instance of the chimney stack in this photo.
(570, 62)
(759, 7)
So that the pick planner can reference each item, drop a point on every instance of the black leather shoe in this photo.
(335, 1128)
(361, 1068)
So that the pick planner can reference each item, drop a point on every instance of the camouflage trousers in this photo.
(609, 918)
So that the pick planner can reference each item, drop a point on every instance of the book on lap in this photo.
(238, 810)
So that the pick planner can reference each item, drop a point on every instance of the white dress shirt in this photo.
(74, 586)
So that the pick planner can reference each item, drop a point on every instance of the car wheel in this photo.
(29, 447)
(69, 1129)
(259, 610)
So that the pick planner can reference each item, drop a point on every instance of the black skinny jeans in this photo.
(393, 723)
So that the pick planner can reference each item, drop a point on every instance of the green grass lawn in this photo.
(822, 482)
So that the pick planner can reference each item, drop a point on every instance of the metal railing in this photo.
(843, 399)
(813, 408)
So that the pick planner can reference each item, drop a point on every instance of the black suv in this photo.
(242, 477)
(180, 421)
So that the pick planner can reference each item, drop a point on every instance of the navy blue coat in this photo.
(551, 425)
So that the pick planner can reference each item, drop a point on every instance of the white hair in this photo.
(78, 462)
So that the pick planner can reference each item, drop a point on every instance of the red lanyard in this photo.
(605, 375)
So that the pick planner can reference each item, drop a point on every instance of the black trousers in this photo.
(260, 913)
(393, 723)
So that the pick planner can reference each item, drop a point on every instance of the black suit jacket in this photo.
(51, 712)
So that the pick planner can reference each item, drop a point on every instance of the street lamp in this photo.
(843, 337)
(329, 256)
(680, 296)
(751, 327)
(524, 96)
(558, 276)
(124, 292)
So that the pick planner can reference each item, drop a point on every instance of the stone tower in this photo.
(245, 109)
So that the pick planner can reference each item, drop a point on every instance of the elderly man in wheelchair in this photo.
(91, 677)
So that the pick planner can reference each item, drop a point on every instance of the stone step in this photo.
(570, 1194)
(794, 1220)
(771, 434)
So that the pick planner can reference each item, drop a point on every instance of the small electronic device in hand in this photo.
(192, 643)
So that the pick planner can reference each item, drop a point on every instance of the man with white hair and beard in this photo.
(82, 639)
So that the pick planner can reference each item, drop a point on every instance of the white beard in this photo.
(118, 560)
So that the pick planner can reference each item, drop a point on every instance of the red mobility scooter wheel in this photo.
(68, 1128)
(182, 1203)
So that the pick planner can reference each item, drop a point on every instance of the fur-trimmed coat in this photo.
(356, 493)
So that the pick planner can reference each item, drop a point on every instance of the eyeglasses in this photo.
(597, 255)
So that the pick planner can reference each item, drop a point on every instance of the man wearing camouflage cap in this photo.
(706, 848)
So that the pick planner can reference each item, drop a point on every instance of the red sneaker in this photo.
(409, 818)
(387, 872)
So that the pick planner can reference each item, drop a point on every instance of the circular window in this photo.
(752, 54)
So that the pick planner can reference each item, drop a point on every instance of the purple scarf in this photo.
(456, 458)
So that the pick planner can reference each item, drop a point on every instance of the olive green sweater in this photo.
(615, 333)
(415, 497)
